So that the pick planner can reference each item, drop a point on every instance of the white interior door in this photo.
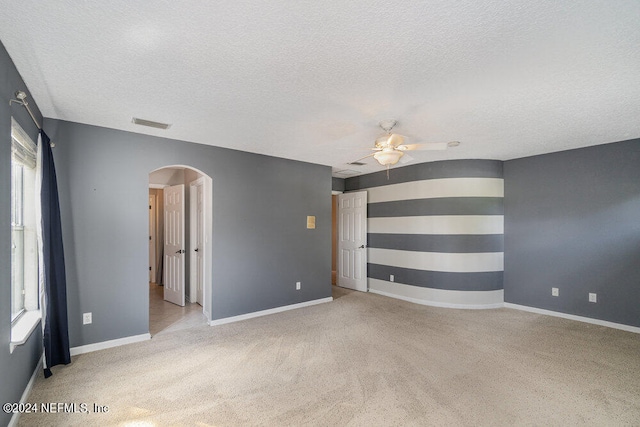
(198, 246)
(352, 240)
(174, 244)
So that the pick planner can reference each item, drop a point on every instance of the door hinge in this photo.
(149, 268)
(149, 237)
(149, 206)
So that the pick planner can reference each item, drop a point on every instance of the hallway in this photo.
(167, 317)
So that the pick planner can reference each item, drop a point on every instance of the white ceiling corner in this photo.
(310, 81)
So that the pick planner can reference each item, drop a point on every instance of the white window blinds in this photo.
(23, 149)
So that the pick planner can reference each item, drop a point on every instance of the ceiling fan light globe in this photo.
(388, 157)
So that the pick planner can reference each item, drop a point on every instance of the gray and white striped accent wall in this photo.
(436, 232)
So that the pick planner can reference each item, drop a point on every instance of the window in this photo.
(17, 239)
(24, 244)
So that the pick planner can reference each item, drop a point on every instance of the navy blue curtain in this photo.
(56, 325)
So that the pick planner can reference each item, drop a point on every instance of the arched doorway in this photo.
(180, 243)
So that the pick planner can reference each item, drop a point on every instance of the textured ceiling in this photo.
(310, 80)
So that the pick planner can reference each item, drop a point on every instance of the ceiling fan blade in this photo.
(382, 140)
(392, 140)
(433, 146)
(406, 159)
(396, 139)
(361, 158)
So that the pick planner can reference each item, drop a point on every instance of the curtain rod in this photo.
(22, 100)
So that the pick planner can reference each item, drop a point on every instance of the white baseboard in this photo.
(109, 344)
(474, 300)
(598, 322)
(269, 311)
(27, 391)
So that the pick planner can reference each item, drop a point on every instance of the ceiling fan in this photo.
(390, 147)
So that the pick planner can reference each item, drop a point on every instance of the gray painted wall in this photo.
(337, 184)
(408, 209)
(261, 246)
(572, 221)
(423, 171)
(15, 368)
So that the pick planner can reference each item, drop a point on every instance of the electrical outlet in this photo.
(391, 278)
(593, 297)
(86, 318)
(555, 292)
(298, 284)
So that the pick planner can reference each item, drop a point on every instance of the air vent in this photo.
(357, 163)
(149, 123)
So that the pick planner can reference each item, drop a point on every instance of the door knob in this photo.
(196, 249)
(180, 251)
(361, 247)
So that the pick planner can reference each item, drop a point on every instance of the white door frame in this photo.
(334, 245)
(352, 241)
(201, 250)
(207, 289)
(152, 237)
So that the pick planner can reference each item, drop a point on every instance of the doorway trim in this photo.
(334, 236)
(207, 289)
(193, 257)
(352, 241)
(153, 224)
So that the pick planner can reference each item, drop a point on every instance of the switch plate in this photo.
(311, 222)
(298, 284)
(555, 292)
(593, 297)
(391, 278)
(86, 318)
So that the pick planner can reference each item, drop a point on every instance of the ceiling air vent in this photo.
(149, 123)
(357, 163)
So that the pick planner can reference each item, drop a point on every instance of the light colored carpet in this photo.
(361, 360)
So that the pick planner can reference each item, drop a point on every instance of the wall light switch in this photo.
(593, 297)
(391, 278)
(298, 284)
(555, 292)
(86, 318)
(311, 222)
